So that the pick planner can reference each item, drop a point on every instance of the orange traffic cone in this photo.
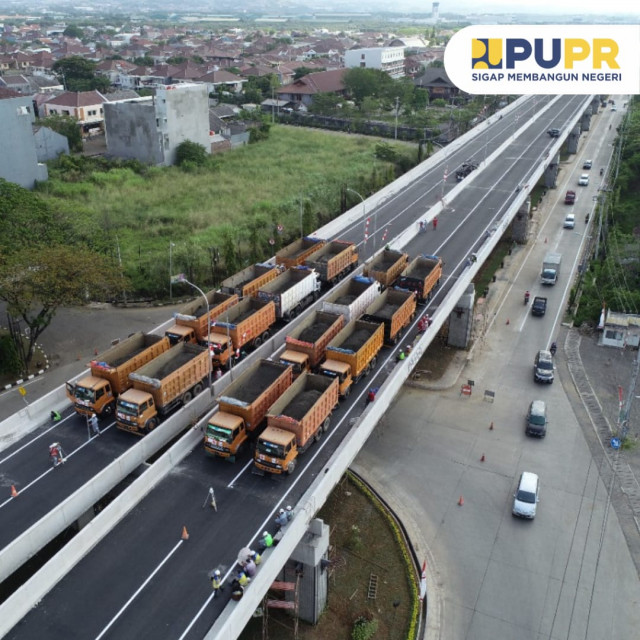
(482, 459)
(14, 491)
(460, 501)
(491, 426)
(508, 321)
(185, 533)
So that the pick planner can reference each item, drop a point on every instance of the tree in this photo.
(144, 61)
(73, 31)
(362, 83)
(66, 126)
(78, 74)
(300, 72)
(36, 281)
(177, 60)
(191, 153)
(325, 103)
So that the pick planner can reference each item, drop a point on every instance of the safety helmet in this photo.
(266, 533)
(281, 511)
(216, 572)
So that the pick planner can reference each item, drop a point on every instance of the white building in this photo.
(387, 59)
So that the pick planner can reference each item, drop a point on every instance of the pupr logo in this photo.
(486, 53)
(558, 59)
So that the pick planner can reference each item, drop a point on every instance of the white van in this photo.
(526, 498)
(569, 221)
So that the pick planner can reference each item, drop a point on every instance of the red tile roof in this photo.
(78, 99)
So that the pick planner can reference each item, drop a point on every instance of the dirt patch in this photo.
(435, 361)
(363, 544)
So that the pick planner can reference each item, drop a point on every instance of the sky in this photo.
(574, 7)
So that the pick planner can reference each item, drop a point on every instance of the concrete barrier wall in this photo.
(67, 512)
(22, 600)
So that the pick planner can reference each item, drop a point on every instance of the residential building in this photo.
(17, 82)
(436, 81)
(387, 59)
(151, 130)
(19, 160)
(85, 106)
(301, 91)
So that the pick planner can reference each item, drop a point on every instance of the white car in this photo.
(583, 181)
(526, 498)
(569, 221)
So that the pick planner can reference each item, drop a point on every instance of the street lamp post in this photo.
(181, 278)
(171, 245)
(364, 222)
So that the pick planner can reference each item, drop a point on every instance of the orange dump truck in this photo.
(422, 276)
(192, 322)
(306, 344)
(248, 281)
(395, 309)
(297, 252)
(243, 406)
(386, 267)
(97, 393)
(299, 417)
(334, 260)
(353, 353)
(162, 386)
(244, 326)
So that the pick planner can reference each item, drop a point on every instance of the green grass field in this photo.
(234, 206)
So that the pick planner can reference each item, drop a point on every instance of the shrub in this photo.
(364, 628)
(191, 154)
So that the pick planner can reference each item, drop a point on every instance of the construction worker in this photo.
(55, 454)
(266, 541)
(435, 223)
(55, 416)
(371, 396)
(243, 579)
(249, 567)
(92, 421)
(401, 355)
(237, 590)
(216, 581)
(289, 512)
(255, 557)
(281, 519)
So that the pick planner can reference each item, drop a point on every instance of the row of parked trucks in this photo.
(145, 378)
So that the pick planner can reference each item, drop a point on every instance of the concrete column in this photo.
(551, 173)
(573, 139)
(520, 224)
(308, 564)
(585, 121)
(461, 320)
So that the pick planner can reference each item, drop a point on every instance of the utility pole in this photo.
(395, 134)
(624, 414)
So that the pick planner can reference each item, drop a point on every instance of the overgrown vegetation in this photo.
(236, 209)
(613, 275)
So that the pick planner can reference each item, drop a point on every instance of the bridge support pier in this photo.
(309, 563)
(461, 320)
(573, 140)
(551, 172)
(521, 222)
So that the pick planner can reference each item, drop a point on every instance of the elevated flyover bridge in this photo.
(128, 570)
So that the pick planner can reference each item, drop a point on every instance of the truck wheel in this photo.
(258, 341)
(326, 424)
(291, 468)
(187, 396)
(347, 393)
(367, 371)
(318, 435)
(265, 336)
(151, 425)
(108, 410)
(197, 389)
(374, 362)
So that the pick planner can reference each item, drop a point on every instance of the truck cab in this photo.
(179, 333)
(225, 436)
(276, 451)
(340, 370)
(136, 412)
(297, 360)
(221, 349)
(91, 395)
